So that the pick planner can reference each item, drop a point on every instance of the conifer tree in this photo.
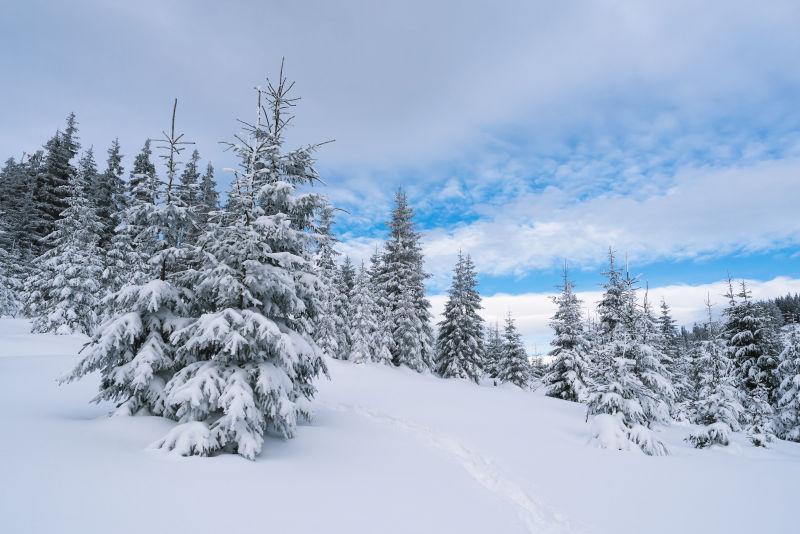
(132, 349)
(751, 342)
(209, 197)
(344, 282)
(570, 371)
(52, 187)
(402, 291)
(325, 332)
(248, 355)
(513, 366)
(9, 286)
(493, 350)
(460, 342)
(383, 336)
(134, 240)
(759, 416)
(364, 328)
(62, 295)
(109, 196)
(788, 416)
(188, 192)
(628, 391)
(717, 405)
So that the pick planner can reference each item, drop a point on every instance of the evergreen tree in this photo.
(189, 194)
(402, 291)
(717, 405)
(52, 186)
(248, 355)
(570, 370)
(493, 350)
(62, 295)
(513, 366)
(109, 196)
(344, 282)
(325, 333)
(651, 366)
(383, 336)
(460, 341)
(134, 240)
(364, 328)
(627, 389)
(209, 197)
(759, 417)
(9, 286)
(788, 417)
(751, 342)
(132, 349)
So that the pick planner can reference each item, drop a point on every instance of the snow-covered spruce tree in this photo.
(401, 280)
(209, 197)
(135, 239)
(63, 293)
(759, 417)
(568, 374)
(343, 283)
(189, 193)
(9, 285)
(753, 345)
(493, 350)
(460, 341)
(788, 416)
(651, 366)
(325, 333)
(248, 358)
(52, 186)
(513, 366)
(132, 349)
(17, 212)
(365, 331)
(382, 352)
(717, 405)
(109, 196)
(627, 392)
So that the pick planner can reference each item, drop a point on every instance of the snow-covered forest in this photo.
(252, 331)
(220, 315)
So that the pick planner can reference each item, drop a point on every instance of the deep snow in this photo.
(389, 451)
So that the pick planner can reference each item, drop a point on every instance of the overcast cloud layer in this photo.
(525, 132)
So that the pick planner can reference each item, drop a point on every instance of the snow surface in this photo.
(389, 451)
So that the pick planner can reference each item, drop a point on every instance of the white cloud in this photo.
(533, 311)
(704, 213)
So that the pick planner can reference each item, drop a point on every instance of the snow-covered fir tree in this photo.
(132, 350)
(513, 366)
(401, 281)
(325, 333)
(365, 331)
(751, 342)
(651, 365)
(627, 392)
(9, 285)
(759, 417)
(383, 336)
(344, 281)
(248, 358)
(717, 405)
(189, 193)
(134, 240)
(63, 293)
(493, 350)
(109, 196)
(209, 197)
(460, 341)
(569, 373)
(52, 186)
(788, 410)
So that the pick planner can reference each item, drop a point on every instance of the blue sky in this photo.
(525, 133)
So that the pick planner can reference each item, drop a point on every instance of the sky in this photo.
(525, 133)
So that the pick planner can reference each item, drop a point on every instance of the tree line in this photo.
(218, 315)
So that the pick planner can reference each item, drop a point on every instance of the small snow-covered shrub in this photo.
(714, 434)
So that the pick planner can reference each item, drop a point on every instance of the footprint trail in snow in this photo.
(536, 516)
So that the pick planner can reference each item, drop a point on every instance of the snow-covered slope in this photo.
(389, 451)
